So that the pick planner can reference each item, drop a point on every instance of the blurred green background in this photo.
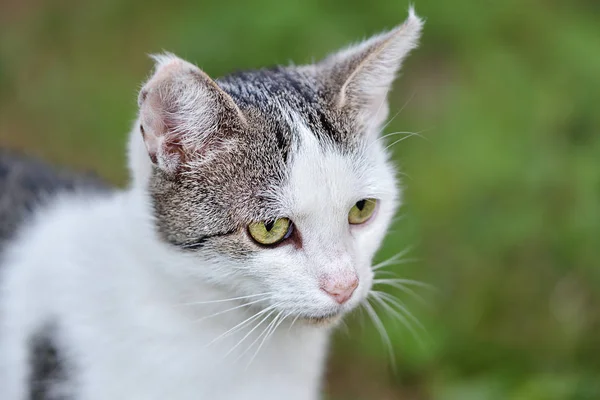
(502, 202)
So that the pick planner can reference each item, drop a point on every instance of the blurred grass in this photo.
(502, 203)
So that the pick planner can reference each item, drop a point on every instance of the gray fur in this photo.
(215, 204)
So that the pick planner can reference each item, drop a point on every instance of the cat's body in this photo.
(164, 290)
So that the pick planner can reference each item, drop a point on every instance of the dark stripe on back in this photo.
(47, 366)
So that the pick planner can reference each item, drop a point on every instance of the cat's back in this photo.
(26, 184)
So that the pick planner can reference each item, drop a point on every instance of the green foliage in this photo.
(502, 200)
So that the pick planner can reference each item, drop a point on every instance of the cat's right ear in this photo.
(183, 113)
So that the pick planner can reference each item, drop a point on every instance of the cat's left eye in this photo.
(362, 211)
(270, 232)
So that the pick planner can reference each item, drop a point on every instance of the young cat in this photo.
(256, 205)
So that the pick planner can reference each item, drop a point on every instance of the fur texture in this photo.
(159, 291)
(27, 183)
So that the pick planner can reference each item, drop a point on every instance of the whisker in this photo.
(346, 329)
(225, 300)
(409, 135)
(267, 336)
(263, 333)
(231, 309)
(293, 322)
(404, 289)
(400, 317)
(361, 319)
(382, 332)
(398, 218)
(387, 135)
(392, 259)
(382, 138)
(399, 111)
(384, 273)
(402, 281)
(401, 307)
(400, 262)
(244, 322)
(248, 334)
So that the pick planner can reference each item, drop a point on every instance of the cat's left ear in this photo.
(184, 114)
(358, 78)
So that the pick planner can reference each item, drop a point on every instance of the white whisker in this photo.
(382, 332)
(395, 313)
(404, 289)
(267, 336)
(231, 309)
(393, 301)
(392, 259)
(293, 322)
(249, 333)
(346, 329)
(361, 319)
(400, 262)
(399, 111)
(225, 300)
(241, 324)
(265, 330)
(409, 135)
(398, 218)
(402, 281)
(382, 138)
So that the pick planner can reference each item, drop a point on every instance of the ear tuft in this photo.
(162, 59)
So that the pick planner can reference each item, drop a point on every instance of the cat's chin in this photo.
(327, 321)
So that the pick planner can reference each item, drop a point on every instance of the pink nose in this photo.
(340, 290)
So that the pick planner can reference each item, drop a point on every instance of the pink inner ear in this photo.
(158, 131)
(164, 153)
(152, 154)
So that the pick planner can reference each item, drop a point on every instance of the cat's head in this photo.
(275, 181)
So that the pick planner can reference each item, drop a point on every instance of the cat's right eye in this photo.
(269, 233)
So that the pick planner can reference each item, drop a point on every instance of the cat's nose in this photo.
(340, 289)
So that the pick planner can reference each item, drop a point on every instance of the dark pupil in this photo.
(269, 225)
(361, 204)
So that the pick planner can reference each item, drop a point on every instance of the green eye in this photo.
(270, 232)
(362, 211)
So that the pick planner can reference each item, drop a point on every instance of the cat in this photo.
(256, 204)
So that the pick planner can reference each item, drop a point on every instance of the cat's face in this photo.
(276, 181)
